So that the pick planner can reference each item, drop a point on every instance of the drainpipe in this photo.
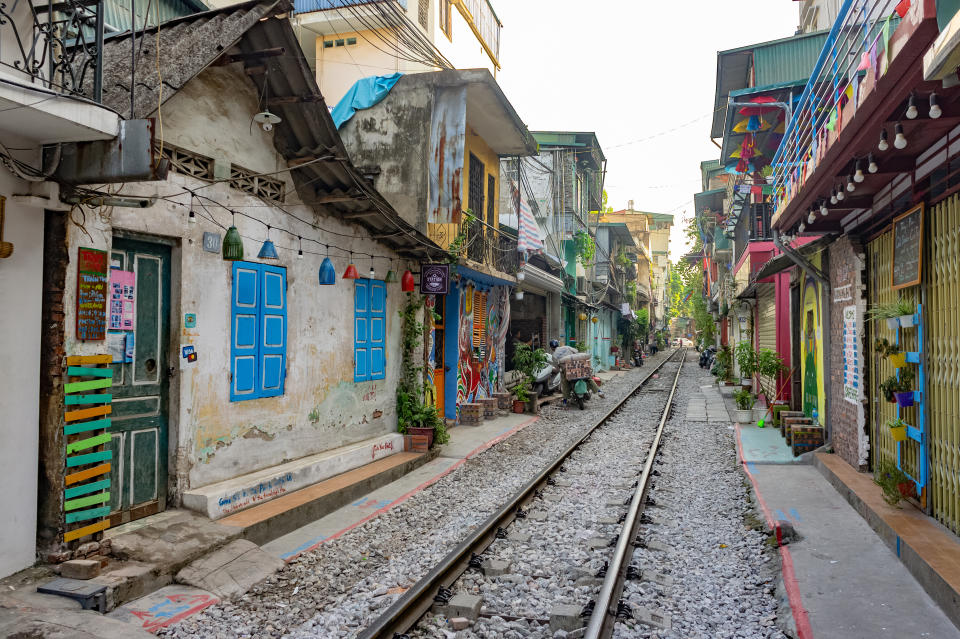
(824, 282)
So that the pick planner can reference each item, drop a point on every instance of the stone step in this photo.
(285, 514)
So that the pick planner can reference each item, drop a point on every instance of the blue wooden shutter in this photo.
(245, 316)
(273, 329)
(361, 331)
(378, 329)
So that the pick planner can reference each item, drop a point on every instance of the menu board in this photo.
(851, 356)
(91, 294)
(907, 248)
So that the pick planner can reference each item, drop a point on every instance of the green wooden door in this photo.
(141, 387)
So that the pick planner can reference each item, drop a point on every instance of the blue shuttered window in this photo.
(369, 330)
(258, 351)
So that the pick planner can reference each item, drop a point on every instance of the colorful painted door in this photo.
(439, 367)
(141, 386)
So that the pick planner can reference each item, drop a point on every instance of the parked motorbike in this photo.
(577, 370)
(637, 357)
(706, 357)
(547, 380)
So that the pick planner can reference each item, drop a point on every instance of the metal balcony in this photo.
(56, 45)
(490, 247)
(485, 25)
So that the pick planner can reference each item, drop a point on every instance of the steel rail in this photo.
(605, 611)
(417, 601)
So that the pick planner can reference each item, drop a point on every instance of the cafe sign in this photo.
(435, 279)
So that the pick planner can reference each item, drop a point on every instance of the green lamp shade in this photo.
(351, 273)
(328, 274)
(232, 245)
(268, 251)
(391, 277)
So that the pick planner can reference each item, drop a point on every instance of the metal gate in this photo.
(767, 328)
(942, 275)
(882, 446)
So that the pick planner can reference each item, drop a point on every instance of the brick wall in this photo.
(847, 409)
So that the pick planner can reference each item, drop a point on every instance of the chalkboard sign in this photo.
(907, 248)
(91, 294)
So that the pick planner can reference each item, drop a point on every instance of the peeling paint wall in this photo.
(212, 439)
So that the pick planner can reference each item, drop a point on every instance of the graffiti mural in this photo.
(481, 366)
(811, 355)
(429, 374)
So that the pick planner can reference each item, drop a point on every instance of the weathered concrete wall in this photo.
(20, 301)
(374, 136)
(212, 439)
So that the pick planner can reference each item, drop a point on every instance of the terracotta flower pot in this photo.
(416, 430)
(518, 406)
(907, 489)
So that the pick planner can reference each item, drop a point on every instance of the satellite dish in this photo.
(267, 120)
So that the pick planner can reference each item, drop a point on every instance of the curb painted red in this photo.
(790, 584)
(476, 451)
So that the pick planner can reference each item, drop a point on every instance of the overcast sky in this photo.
(630, 70)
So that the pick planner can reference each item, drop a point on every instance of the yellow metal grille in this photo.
(883, 448)
(942, 317)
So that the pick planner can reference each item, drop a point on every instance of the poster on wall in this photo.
(91, 294)
(122, 300)
(851, 355)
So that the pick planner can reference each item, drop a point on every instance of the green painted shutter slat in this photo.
(83, 502)
(84, 371)
(77, 387)
(104, 398)
(89, 458)
(83, 515)
(83, 427)
(90, 442)
(92, 487)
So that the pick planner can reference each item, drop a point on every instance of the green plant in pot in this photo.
(746, 361)
(529, 361)
(724, 365)
(770, 366)
(895, 483)
(899, 313)
(898, 429)
(744, 400)
(414, 415)
(885, 348)
(522, 394)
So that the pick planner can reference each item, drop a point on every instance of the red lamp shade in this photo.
(350, 273)
(406, 282)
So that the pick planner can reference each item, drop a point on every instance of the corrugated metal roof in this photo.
(787, 61)
(116, 13)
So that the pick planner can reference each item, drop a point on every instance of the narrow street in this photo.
(395, 319)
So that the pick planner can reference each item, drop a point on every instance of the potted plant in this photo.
(744, 400)
(898, 429)
(747, 363)
(903, 389)
(899, 313)
(529, 362)
(522, 397)
(886, 388)
(884, 348)
(770, 365)
(895, 483)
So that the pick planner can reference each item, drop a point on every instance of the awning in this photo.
(783, 261)
(482, 278)
(538, 279)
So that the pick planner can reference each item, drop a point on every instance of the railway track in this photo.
(600, 615)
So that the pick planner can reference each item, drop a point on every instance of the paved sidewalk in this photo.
(707, 406)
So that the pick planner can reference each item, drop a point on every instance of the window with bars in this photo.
(491, 200)
(475, 192)
(423, 12)
(261, 186)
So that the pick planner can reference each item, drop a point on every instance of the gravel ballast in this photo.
(333, 590)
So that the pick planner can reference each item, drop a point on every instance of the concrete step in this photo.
(285, 514)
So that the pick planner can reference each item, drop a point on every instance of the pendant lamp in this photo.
(351, 272)
(328, 274)
(232, 244)
(268, 251)
(391, 277)
(406, 282)
(594, 319)
(583, 317)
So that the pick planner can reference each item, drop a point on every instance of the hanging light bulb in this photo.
(300, 249)
(912, 111)
(833, 196)
(935, 110)
(373, 273)
(901, 140)
(521, 275)
(232, 243)
(840, 194)
(811, 218)
(851, 187)
(871, 164)
(882, 145)
(858, 175)
(406, 282)
(824, 211)
(192, 217)
(801, 228)
(268, 251)
(518, 295)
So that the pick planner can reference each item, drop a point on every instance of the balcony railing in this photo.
(491, 247)
(54, 45)
(485, 24)
(306, 6)
(856, 42)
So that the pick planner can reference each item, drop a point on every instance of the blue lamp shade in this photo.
(268, 251)
(328, 274)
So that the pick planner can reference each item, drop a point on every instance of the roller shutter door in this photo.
(766, 325)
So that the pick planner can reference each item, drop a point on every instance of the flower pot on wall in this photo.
(899, 433)
(904, 400)
(898, 360)
(906, 321)
(892, 323)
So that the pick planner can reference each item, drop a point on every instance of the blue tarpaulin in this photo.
(362, 95)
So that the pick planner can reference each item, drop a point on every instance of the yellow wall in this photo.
(811, 345)
(491, 164)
